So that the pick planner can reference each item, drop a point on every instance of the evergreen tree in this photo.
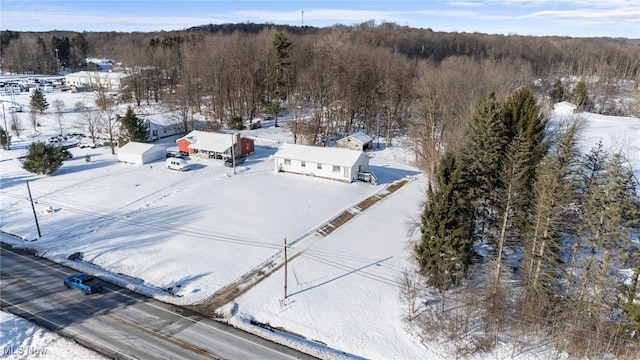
(44, 159)
(6, 37)
(279, 88)
(38, 101)
(236, 123)
(5, 139)
(554, 193)
(131, 128)
(480, 160)
(444, 251)
(609, 211)
(80, 47)
(589, 227)
(558, 92)
(580, 96)
(524, 121)
(514, 180)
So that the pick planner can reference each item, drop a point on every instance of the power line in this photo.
(160, 226)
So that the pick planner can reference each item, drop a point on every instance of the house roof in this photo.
(168, 118)
(316, 154)
(98, 75)
(138, 148)
(162, 119)
(209, 141)
(360, 137)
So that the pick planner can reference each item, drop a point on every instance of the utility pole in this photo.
(233, 152)
(285, 268)
(6, 131)
(34, 209)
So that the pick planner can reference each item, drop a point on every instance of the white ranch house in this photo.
(334, 163)
(168, 124)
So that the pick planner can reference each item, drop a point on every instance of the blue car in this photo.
(83, 282)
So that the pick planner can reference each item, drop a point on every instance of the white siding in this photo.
(140, 153)
(332, 163)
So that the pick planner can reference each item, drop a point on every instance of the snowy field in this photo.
(149, 228)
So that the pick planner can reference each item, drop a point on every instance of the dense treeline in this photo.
(557, 224)
(557, 229)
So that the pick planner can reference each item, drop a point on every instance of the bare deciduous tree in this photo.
(58, 107)
(108, 117)
(15, 124)
(89, 118)
(409, 291)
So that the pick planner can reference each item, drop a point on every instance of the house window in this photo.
(287, 162)
(303, 163)
(336, 169)
(319, 166)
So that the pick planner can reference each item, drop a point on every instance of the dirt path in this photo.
(254, 277)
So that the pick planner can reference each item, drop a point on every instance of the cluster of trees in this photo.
(518, 187)
(30, 53)
(365, 77)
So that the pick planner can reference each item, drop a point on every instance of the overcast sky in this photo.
(576, 18)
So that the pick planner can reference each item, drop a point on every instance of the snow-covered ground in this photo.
(149, 228)
(21, 340)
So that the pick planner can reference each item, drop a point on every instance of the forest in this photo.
(476, 109)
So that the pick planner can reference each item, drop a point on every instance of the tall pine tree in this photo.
(554, 194)
(480, 161)
(279, 87)
(131, 128)
(558, 92)
(514, 180)
(524, 121)
(38, 101)
(581, 97)
(444, 251)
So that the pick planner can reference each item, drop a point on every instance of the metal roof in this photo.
(320, 155)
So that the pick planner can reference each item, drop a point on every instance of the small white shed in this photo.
(141, 153)
(333, 163)
(564, 108)
(357, 141)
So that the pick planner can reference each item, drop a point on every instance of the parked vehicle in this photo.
(239, 160)
(172, 154)
(83, 282)
(176, 164)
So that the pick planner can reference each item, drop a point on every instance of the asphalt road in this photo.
(119, 323)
